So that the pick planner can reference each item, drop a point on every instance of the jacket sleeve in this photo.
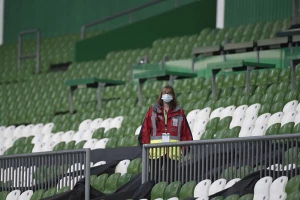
(146, 130)
(186, 133)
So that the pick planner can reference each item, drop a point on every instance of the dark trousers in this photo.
(163, 169)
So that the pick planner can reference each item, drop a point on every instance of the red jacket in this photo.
(172, 128)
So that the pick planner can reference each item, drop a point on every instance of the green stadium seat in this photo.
(124, 179)
(273, 129)
(111, 184)
(50, 192)
(243, 171)
(63, 189)
(286, 128)
(3, 195)
(262, 77)
(255, 99)
(277, 107)
(229, 173)
(224, 123)
(100, 182)
(208, 134)
(69, 145)
(92, 179)
(212, 124)
(279, 97)
(134, 165)
(293, 196)
(218, 198)
(293, 185)
(273, 75)
(233, 197)
(187, 190)
(158, 190)
(80, 144)
(60, 146)
(247, 197)
(38, 194)
(261, 89)
(172, 190)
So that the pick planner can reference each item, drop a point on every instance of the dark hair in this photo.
(172, 103)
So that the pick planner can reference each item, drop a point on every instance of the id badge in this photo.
(175, 121)
(165, 137)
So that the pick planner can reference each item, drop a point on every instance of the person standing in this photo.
(164, 122)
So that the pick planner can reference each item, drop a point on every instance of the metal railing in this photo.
(45, 170)
(223, 158)
(35, 55)
(130, 11)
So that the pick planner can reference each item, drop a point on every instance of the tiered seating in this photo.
(265, 188)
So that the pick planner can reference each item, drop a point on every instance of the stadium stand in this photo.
(35, 118)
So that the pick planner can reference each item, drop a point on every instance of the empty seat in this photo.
(96, 123)
(85, 125)
(262, 188)
(217, 186)
(122, 167)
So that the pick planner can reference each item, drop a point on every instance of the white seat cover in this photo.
(278, 186)
(13, 195)
(204, 113)
(101, 143)
(249, 120)
(288, 117)
(96, 123)
(37, 139)
(275, 118)
(57, 137)
(262, 119)
(262, 188)
(78, 136)
(47, 147)
(122, 167)
(202, 188)
(106, 124)
(253, 109)
(259, 130)
(99, 163)
(88, 134)
(217, 186)
(27, 130)
(278, 196)
(199, 128)
(232, 182)
(236, 121)
(18, 132)
(137, 131)
(8, 132)
(246, 131)
(90, 144)
(26, 195)
(68, 136)
(47, 129)
(38, 147)
(227, 112)
(240, 111)
(216, 113)
(116, 122)
(37, 129)
(290, 106)
(47, 138)
(85, 125)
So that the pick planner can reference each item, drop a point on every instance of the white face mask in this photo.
(166, 98)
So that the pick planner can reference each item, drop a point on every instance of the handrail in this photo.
(85, 26)
(35, 55)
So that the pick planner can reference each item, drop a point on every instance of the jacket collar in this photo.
(157, 108)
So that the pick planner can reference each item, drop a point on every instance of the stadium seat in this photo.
(232, 182)
(232, 197)
(172, 190)
(111, 184)
(187, 190)
(26, 195)
(202, 188)
(37, 194)
(247, 197)
(122, 167)
(100, 182)
(158, 190)
(50, 192)
(262, 188)
(217, 186)
(13, 195)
